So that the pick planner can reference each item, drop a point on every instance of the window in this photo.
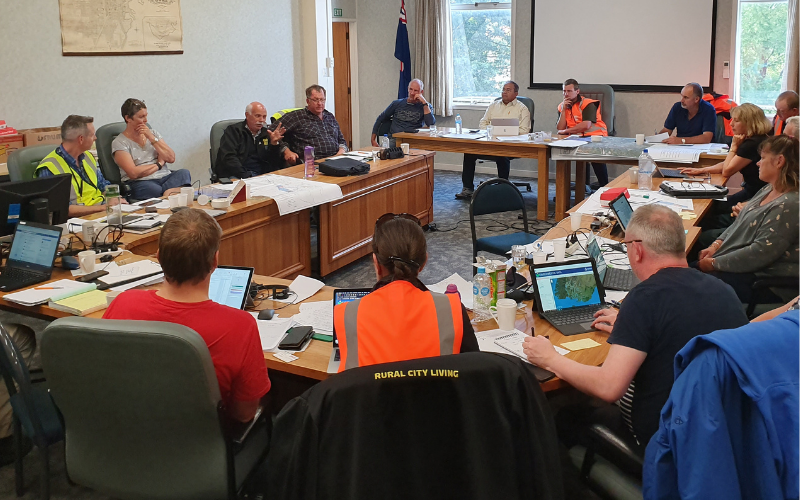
(481, 50)
(760, 52)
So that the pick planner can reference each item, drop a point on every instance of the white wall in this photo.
(234, 53)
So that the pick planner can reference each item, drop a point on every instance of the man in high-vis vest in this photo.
(73, 157)
(581, 115)
(786, 106)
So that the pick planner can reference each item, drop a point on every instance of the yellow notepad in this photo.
(577, 345)
(82, 304)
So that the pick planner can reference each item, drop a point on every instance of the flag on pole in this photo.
(402, 52)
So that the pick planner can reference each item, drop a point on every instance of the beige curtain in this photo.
(433, 54)
(791, 67)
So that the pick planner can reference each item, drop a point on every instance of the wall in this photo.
(348, 8)
(635, 112)
(234, 53)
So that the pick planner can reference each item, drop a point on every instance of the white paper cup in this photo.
(633, 175)
(575, 220)
(639, 138)
(539, 257)
(559, 249)
(220, 203)
(597, 138)
(505, 312)
(174, 200)
(183, 200)
(189, 192)
(203, 199)
(405, 147)
(86, 261)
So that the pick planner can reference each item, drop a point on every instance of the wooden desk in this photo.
(540, 152)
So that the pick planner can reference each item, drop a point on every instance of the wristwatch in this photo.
(683, 141)
(156, 139)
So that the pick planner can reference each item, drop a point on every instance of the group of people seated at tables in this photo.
(754, 233)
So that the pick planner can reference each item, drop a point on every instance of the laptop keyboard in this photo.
(671, 172)
(573, 315)
(619, 279)
(17, 274)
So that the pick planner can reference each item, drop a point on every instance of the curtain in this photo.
(433, 54)
(791, 67)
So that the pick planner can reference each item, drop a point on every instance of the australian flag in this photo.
(403, 53)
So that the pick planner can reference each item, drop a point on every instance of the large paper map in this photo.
(121, 26)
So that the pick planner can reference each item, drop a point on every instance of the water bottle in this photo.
(481, 296)
(113, 205)
(308, 157)
(458, 123)
(452, 288)
(385, 141)
(646, 169)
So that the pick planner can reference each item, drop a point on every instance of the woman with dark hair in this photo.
(142, 156)
(400, 319)
(763, 241)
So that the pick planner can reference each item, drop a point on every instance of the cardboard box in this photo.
(9, 143)
(41, 136)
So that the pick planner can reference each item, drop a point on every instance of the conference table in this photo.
(538, 151)
(255, 234)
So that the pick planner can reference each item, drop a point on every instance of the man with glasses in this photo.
(786, 106)
(312, 126)
(506, 107)
(672, 305)
(581, 115)
(407, 114)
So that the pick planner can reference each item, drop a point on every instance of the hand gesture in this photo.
(276, 135)
(710, 251)
(706, 265)
(538, 350)
(290, 156)
(143, 129)
(737, 139)
(672, 140)
(604, 320)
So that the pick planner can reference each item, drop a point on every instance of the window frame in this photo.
(510, 5)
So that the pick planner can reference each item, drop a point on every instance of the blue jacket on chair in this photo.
(733, 407)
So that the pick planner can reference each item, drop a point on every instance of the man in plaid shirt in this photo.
(312, 126)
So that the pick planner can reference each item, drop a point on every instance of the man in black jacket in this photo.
(249, 148)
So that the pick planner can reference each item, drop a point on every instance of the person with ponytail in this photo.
(400, 319)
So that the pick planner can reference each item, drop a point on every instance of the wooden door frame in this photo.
(354, 106)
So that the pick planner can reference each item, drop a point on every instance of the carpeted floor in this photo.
(449, 251)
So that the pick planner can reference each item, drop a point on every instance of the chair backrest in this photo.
(215, 137)
(105, 136)
(279, 114)
(493, 196)
(140, 404)
(384, 127)
(719, 132)
(465, 426)
(22, 163)
(605, 94)
(18, 382)
(528, 102)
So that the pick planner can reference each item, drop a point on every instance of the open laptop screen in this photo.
(342, 295)
(230, 285)
(593, 249)
(622, 210)
(566, 285)
(34, 246)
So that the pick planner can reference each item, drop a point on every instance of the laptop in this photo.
(505, 126)
(31, 257)
(340, 296)
(670, 172)
(230, 286)
(622, 210)
(568, 293)
(611, 277)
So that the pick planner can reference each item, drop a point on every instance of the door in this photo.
(341, 79)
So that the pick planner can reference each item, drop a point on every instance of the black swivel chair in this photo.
(35, 414)
(763, 296)
(493, 196)
(214, 139)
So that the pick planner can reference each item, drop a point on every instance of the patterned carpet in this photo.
(449, 249)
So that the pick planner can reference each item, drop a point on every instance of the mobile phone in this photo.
(225, 180)
(295, 338)
(91, 276)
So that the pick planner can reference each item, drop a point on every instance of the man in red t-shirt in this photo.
(188, 251)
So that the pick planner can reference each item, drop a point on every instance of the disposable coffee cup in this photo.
(633, 175)
(575, 220)
(189, 192)
(640, 139)
(559, 249)
(539, 257)
(405, 147)
(174, 200)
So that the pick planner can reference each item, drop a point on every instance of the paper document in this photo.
(43, 292)
(674, 154)
(303, 288)
(578, 345)
(291, 194)
(465, 136)
(271, 332)
(318, 315)
(592, 204)
(285, 356)
(464, 288)
(513, 138)
(82, 304)
(128, 271)
(617, 295)
(359, 154)
(151, 280)
(567, 143)
(102, 267)
(129, 208)
(653, 139)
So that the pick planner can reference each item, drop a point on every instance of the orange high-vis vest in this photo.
(575, 115)
(723, 105)
(397, 322)
(777, 125)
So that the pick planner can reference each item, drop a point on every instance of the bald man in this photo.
(786, 106)
(249, 148)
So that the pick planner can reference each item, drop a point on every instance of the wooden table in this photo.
(540, 152)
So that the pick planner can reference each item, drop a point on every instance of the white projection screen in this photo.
(634, 45)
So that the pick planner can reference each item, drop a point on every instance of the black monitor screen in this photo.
(622, 209)
(44, 200)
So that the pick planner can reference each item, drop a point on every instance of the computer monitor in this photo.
(45, 201)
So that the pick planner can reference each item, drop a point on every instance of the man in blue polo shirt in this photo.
(407, 114)
(695, 119)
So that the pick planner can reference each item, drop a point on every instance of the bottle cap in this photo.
(645, 151)
(451, 288)
(481, 269)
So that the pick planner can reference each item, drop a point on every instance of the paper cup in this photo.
(559, 249)
(505, 312)
(640, 139)
(174, 200)
(405, 147)
(539, 257)
(203, 199)
(86, 260)
(189, 192)
(575, 220)
(183, 200)
(633, 175)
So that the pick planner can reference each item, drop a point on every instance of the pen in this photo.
(48, 288)
(533, 334)
(615, 303)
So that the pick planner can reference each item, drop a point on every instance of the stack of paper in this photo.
(46, 291)
(82, 304)
(137, 269)
(318, 315)
(292, 194)
(272, 331)
(513, 138)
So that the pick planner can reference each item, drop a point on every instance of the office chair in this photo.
(142, 411)
(22, 163)
(214, 139)
(605, 94)
(719, 132)
(466, 426)
(764, 290)
(105, 136)
(493, 196)
(35, 415)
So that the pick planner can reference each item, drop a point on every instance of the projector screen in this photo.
(634, 45)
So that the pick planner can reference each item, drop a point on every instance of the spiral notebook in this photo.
(513, 344)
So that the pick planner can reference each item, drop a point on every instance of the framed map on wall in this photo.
(119, 27)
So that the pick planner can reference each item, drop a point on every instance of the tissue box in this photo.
(610, 194)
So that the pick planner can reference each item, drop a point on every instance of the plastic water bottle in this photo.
(646, 169)
(458, 123)
(113, 205)
(308, 158)
(452, 288)
(385, 141)
(481, 296)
